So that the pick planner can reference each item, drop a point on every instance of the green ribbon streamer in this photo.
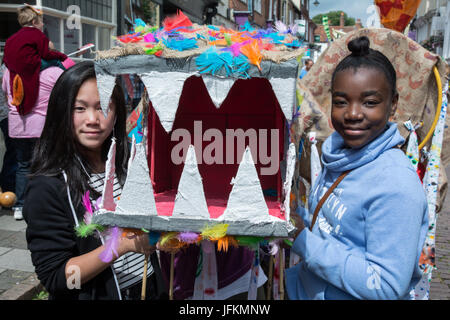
(326, 27)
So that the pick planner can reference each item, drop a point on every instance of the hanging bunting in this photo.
(326, 27)
(430, 183)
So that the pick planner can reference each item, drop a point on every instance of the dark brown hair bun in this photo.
(359, 46)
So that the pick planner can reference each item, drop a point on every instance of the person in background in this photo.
(25, 130)
(308, 64)
(27, 52)
(8, 172)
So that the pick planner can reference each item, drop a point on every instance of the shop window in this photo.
(8, 25)
(52, 30)
(104, 38)
(88, 37)
(71, 39)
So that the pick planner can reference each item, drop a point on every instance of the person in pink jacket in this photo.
(25, 130)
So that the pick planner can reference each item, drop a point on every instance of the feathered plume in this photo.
(180, 43)
(215, 232)
(86, 228)
(111, 245)
(189, 237)
(253, 53)
(87, 205)
(177, 21)
(281, 27)
(211, 61)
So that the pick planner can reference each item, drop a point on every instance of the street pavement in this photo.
(19, 282)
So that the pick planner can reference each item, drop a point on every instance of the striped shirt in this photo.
(128, 267)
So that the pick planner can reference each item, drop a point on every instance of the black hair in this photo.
(57, 148)
(363, 56)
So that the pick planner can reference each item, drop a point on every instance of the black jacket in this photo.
(52, 242)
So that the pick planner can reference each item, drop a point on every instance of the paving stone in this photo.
(8, 222)
(23, 290)
(10, 278)
(14, 240)
(17, 259)
(3, 250)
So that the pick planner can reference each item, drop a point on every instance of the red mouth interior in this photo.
(249, 104)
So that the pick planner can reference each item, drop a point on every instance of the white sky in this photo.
(354, 8)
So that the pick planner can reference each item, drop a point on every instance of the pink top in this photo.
(31, 125)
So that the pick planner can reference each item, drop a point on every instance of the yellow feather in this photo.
(215, 232)
(166, 237)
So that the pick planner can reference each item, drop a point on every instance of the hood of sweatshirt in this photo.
(337, 157)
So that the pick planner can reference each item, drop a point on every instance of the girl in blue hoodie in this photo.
(369, 233)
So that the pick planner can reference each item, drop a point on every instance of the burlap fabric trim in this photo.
(279, 54)
(415, 83)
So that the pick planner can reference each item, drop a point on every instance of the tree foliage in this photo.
(334, 18)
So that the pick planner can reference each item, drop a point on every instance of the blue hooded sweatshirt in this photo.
(368, 236)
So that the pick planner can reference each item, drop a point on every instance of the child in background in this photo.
(26, 53)
(370, 231)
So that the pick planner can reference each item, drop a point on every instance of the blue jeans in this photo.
(24, 154)
(8, 173)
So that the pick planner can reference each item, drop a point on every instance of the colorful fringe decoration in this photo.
(176, 22)
(167, 236)
(226, 241)
(111, 245)
(153, 237)
(169, 242)
(84, 230)
(180, 44)
(248, 241)
(238, 49)
(154, 49)
(427, 262)
(212, 61)
(88, 206)
(253, 53)
(215, 232)
(189, 237)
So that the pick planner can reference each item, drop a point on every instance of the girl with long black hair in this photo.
(69, 159)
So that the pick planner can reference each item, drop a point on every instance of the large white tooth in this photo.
(246, 200)
(190, 200)
(217, 88)
(137, 195)
(164, 91)
(105, 86)
(290, 168)
(108, 187)
(284, 89)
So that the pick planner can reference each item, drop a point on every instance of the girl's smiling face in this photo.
(91, 128)
(362, 102)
